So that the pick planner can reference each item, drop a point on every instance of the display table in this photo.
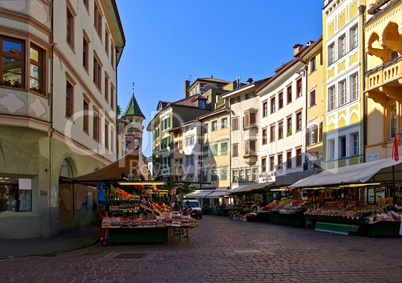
(293, 219)
(145, 235)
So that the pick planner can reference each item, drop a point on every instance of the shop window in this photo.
(15, 194)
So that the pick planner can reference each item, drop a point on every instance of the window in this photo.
(224, 123)
(97, 20)
(271, 163)
(280, 102)
(264, 136)
(224, 148)
(112, 54)
(312, 98)
(273, 105)
(12, 67)
(341, 46)
(106, 88)
(272, 133)
(166, 125)
(354, 87)
(86, 117)
(112, 136)
(298, 121)
(214, 126)
(97, 73)
(288, 159)
(331, 149)
(201, 104)
(263, 164)
(248, 175)
(280, 130)
(354, 138)
(280, 162)
(289, 93)
(354, 37)
(106, 41)
(342, 93)
(190, 140)
(235, 150)
(299, 157)
(205, 151)
(248, 119)
(289, 125)
(96, 125)
(189, 160)
(265, 109)
(331, 98)
(214, 177)
(106, 135)
(235, 124)
(313, 64)
(112, 96)
(16, 194)
(255, 174)
(241, 175)
(189, 177)
(214, 149)
(36, 73)
(69, 99)
(331, 54)
(70, 27)
(85, 54)
(204, 175)
(393, 121)
(249, 147)
(224, 173)
(235, 175)
(299, 87)
(342, 146)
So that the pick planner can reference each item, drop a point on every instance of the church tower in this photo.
(131, 128)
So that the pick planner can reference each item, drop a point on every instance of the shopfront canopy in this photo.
(383, 170)
(251, 188)
(198, 194)
(118, 170)
(218, 194)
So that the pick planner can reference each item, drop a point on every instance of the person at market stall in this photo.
(187, 208)
(175, 206)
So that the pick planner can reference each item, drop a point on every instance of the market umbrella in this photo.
(101, 194)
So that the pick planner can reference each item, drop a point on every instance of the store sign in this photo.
(266, 177)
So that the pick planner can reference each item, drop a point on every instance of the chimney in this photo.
(297, 49)
(186, 86)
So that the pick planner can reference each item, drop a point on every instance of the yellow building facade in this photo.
(383, 77)
(343, 127)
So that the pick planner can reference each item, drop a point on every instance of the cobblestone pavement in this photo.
(222, 250)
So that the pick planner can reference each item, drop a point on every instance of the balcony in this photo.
(386, 75)
(250, 158)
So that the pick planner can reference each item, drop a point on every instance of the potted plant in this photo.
(6, 82)
(17, 83)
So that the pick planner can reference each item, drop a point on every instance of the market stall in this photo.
(132, 209)
(359, 199)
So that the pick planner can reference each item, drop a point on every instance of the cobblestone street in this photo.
(223, 250)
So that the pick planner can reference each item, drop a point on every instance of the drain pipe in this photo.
(50, 133)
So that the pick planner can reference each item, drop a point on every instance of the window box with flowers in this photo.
(289, 133)
(37, 90)
(11, 83)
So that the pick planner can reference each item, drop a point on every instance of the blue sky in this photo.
(170, 41)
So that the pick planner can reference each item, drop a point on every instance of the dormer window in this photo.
(201, 104)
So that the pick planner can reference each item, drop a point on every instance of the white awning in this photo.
(218, 194)
(374, 171)
(251, 188)
(198, 194)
